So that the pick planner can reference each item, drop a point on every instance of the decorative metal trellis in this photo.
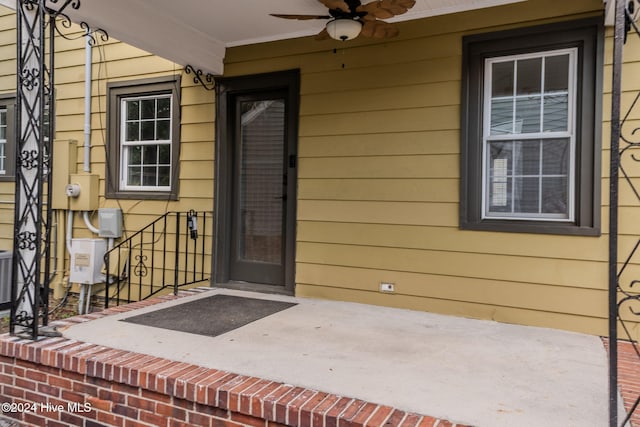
(37, 26)
(624, 298)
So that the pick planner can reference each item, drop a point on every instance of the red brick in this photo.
(140, 403)
(148, 374)
(268, 403)
(212, 388)
(71, 419)
(288, 407)
(319, 412)
(349, 412)
(427, 422)
(235, 395)
(411, 420)
(306, 409)
(211, 410)
(25, 384)
(199, 387)
(13, 392)
(379, 417)
(181, 380)
(200, 420)
(257, 400)
(125, 411)
(228, 393)
(247, 420)
(331, 417)
(184, 404)
(216, 422)
(59, 382)
(246, 395)
(361, 417)
(104, 405)
(155, 396)
(152, 418)
(36, 375)
(171, 411)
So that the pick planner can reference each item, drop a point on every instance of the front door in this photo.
(256, 167)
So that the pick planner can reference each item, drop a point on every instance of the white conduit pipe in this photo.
(87, 221)
(69, 230)
(87, 104)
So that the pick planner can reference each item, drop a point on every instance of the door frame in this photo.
(226, 90)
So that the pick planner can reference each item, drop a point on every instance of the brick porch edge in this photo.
(106, 386)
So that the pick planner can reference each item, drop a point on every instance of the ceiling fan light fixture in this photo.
(344, 28)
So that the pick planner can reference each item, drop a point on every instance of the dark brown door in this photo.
(255, 177)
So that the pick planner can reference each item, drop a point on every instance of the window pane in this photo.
(150, 155)
(164, 154)
(529, 76)
(148, 131)
(148, 109)
(500, 170)
(528, 115)
(501, 117)
(149, 176)
(526, 195)
(504, 152)
(135, 155)
(164, 107)
(133, 177)
(556, 113)
(527, 157)
(133, 131)
(555, 155)
(556, 73)
(133, 110)
(554, 195)
(502, 79)
(163, 129)
(164, 174)
(3, 132)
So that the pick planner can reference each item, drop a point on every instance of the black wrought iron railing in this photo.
(171, 252)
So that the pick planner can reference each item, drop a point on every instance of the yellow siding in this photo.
(379, 181)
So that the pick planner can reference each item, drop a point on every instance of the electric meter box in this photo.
(110, 222)
(87, 258)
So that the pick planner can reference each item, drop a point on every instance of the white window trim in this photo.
(570, 134)
(124, 155)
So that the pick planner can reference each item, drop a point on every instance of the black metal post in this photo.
(614, 165)
(176, 277)
(32, 90)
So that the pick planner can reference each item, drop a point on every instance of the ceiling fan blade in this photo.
(322, 35)
(300, 17)
(336, 4)
(368, 28)
(379, 30)
(374, 9)
(384, 9)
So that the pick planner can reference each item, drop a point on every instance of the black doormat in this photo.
(211, 316)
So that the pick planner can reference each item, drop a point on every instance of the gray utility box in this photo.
(6, 261)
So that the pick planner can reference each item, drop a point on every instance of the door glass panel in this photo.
(261, 197)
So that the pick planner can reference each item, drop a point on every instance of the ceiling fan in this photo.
(350, 18)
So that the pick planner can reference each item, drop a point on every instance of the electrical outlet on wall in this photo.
(387, 287)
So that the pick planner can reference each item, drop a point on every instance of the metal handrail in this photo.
(142, 266)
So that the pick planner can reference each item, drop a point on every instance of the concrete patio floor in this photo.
(474, 372)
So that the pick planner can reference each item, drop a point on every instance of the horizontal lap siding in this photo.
(7, 85)
(116, 61)
(378, 187)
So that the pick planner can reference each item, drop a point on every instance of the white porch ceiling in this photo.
(197, 32)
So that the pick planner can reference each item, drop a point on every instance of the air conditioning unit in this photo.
(6, 261)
